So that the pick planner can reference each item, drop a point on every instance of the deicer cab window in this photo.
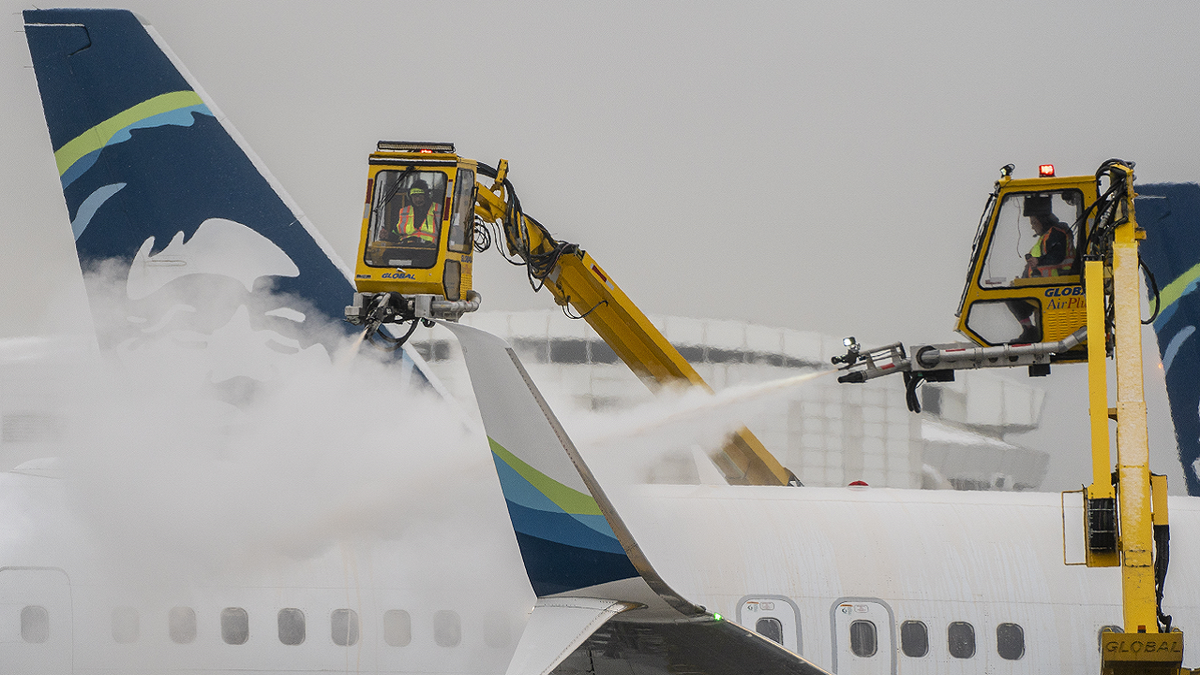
(407, 209)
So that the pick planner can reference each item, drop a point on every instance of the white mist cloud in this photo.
(178, 458)
(626, 445)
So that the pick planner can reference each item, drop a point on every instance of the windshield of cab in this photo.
(1035, 239)
(406, 218)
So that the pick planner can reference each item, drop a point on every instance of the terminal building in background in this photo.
(828, 434)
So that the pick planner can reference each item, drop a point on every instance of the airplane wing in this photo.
(577, 550)
(715, 648)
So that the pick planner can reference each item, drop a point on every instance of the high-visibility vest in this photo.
(426, 230)
(1032, 269)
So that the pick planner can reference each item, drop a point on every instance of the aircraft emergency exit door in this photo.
(774, 617)
(35, 621)
(864, 637)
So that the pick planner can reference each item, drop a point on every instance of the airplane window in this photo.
(125, 625)
(961, 638)
(914, 639)
(181, 624)
(862, 638)
(344, 627)
(235, 626)
(397, 628)
(35, 624)
(291, 626)
(769, 628)
(1010, 641)
(447, 628)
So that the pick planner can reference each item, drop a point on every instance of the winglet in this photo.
(572, 539)
(552, 497)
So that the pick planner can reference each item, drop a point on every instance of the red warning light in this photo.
(430, 152)
(1046, 170)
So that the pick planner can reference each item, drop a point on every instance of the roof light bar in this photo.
(415, 146)
(1046, 170)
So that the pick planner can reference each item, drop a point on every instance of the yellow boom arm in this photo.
(576, 280)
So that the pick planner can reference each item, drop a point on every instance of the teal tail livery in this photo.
(582, 561)
(1170, 214)
(156, 179)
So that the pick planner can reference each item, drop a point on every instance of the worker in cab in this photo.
(417, 223)
(1052, 255)
(1053, 251)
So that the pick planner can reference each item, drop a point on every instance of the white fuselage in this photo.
(822, 558)
(452, 597)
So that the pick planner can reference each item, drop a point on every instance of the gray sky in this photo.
(819, 166)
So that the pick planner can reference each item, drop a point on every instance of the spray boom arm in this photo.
(579, 283)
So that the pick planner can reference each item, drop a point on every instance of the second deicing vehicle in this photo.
(1071, 296)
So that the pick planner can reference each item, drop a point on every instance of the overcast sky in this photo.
(819, 166)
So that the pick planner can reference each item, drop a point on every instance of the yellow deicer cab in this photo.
(417, 221)
(1024, 283)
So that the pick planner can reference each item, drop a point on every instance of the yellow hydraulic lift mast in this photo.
(1071, 300)
(1141, 505)
(414, 262)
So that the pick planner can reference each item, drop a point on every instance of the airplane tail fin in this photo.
(156, 178)
(570, 535)
(1170, 214)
